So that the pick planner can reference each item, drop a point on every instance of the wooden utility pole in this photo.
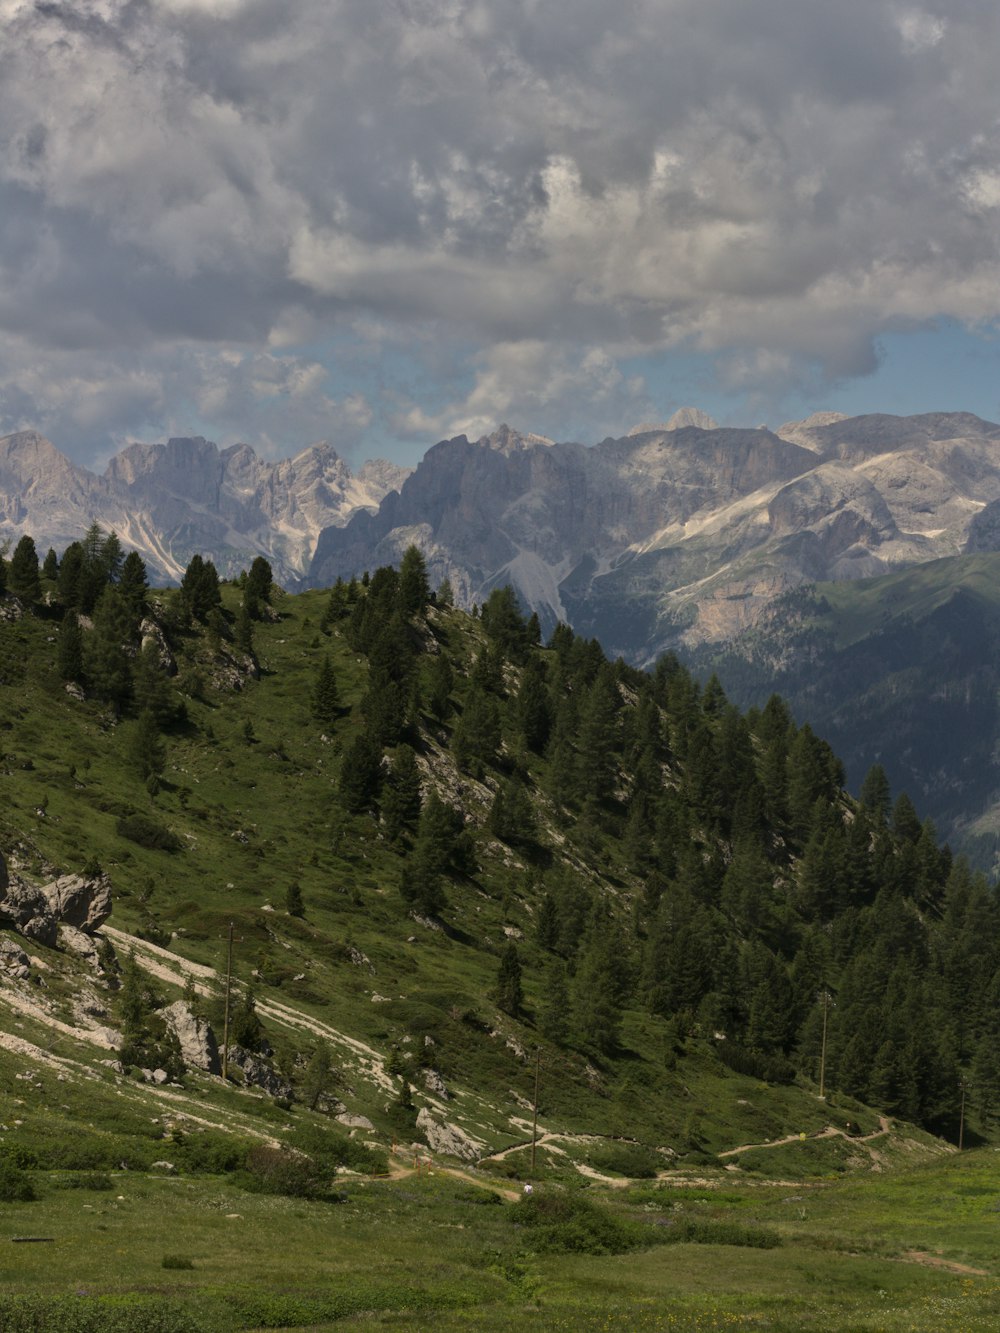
(825, 999)
(961, 1116)
(534, 1118)
(225, 1021)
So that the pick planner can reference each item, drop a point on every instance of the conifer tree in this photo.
(554, 1010)
(257, 589)
(243, 630)
(414, 590)
(477, 734)
(442, 682)
(512, 816)
(151, 690)
(326, 695)
(106, 659)
(70, 570)
(401, 795)
(134, 585)
(50, 566)
(69, 648)
(318, 1077)
(22, 572)
(510, 997)
(361, 774)
(146, 751)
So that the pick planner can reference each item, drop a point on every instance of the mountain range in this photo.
(675, 535)
(171, 500)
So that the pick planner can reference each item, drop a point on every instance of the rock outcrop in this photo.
(76, 903)
(444, 1137)
(199, 1047)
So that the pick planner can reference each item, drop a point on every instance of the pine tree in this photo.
(512, 816)
(414, 590)
(477, 735)
(133, 584)
(361, 774)
(326, 695)
(69, 648)
(318, 1077)
(294, 904)
(151, 690)
(146, 751)
(22, 572)
(401, 796)
(554, 1010)
(243, 630)
(257, 589)
(106, 658)
(510, 997)
(50, 566)
(442, 682)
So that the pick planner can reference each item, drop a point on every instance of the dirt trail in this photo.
(936, 1261)
(398, 1171)
(831, 1132)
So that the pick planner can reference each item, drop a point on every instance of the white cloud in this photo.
(539, 190)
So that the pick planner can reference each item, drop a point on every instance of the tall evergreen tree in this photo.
(510, 997)
(326, 694)
(414, 590)
(69, 648)
(22, 573)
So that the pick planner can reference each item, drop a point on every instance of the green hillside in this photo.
(455, 862)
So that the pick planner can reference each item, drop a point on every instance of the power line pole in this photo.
(534, 1119)
(963, 1084)
(826, 999)
(225, 1021)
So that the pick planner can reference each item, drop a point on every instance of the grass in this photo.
(423, 1252)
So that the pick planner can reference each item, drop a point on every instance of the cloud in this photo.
(198, 196)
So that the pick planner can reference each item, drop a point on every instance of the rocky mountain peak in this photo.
(684, 416)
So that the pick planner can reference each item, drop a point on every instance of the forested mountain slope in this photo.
(445, 845)
(901, 671)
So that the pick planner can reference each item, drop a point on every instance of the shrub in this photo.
(148, 833)
(742, 1060)
(15, 1185)
(276, 1171)
(177, 1261)
(74, 1314)
(84, 1180)
(569, 1224)
(628, 1159)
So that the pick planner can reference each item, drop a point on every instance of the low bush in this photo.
(628, 1159)
(80, 1314)
(84, 1180)
(15, 1183)
(177, 1261)
(148, 833)
(331, 1151)
(571, 1224)
(742, 1060)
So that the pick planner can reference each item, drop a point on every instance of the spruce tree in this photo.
(326, 695)
(257, 589)
(106, 658)
(134, 585)
(69, 648)
(361, 774)
(146, 751)
(414, 590)
(510, 997)
(50, 566)
(22, 572)
(401, 796)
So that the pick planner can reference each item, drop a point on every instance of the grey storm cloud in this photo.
(188, 187)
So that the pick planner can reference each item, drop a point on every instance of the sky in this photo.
(386, 222)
